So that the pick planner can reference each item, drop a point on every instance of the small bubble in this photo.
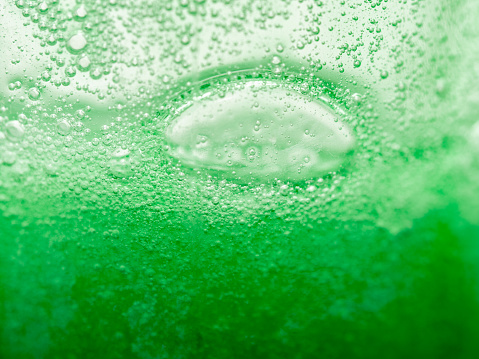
(9, 157)
(43, 7)
(34, 94)
(51, 40)
(284, 190)
(384, 74)
(51, 169)
(15, 130)
(357, 63)
(76, 43)
(80, 13)
(80, 114)
(276, 60)
(70, 71)
(95, 73)
(84, 63)
(46, 76)
(185, 40)
(63, 127)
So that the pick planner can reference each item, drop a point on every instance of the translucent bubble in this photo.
(80, 114)
(76, 43)
(284, 190)
(185, 39)
(43, 7)
(70, 71)
(83, 63)
(276, 60)
(384, 74)
(46, 76)
(51, 169)
(95, 73)
(9, 157)
(80, 14)
(63, 127)
(34, 94)
(15, 130)
(121, 163)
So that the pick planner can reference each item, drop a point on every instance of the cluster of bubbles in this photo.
(176, 117)
(108, 129)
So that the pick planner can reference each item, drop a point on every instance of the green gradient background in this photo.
(141, 269)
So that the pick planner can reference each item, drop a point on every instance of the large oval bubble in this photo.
(259, 130)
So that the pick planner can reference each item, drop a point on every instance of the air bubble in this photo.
(63, 128)
(279, 148)
(76, 43)
(80, 14)
(84, 63)
(34, 94)
(15, 130)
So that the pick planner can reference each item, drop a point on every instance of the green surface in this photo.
(115, 244)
